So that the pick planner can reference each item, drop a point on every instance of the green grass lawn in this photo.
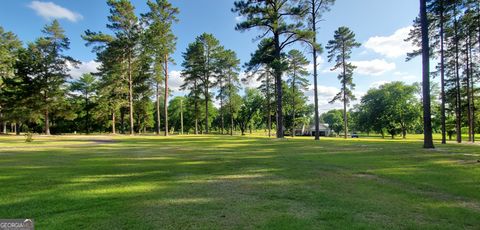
(220, 182)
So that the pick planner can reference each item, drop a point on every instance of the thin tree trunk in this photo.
(165, 100)
(293, 103)
(278, 85)
(269, 105)
(87, 117)
(130, 93)
(231, 124)
(231, 105)
(196, 109)
(315, 71)
(113, 123)
(47, 123)
(442, 73)
(157, 95)
(469, 99)
(17, 128)
(206, 109)
(473, 97)
(122, 120)
(221, 109)
(427, 119)
(4, 123)
(4, 128)
(345, 122)
(181, 117)
(458, 103)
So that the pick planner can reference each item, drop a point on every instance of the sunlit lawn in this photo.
(221, 182)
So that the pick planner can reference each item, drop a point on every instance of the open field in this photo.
(221, 182)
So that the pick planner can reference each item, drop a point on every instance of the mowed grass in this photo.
(221, 182)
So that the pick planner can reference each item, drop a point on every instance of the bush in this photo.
(28, 137)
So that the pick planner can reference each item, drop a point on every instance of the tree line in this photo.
(130, 93)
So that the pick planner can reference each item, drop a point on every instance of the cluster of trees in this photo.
(392, 108)
(130, 89)
(284, 23)
(451, 31)
(37, 92)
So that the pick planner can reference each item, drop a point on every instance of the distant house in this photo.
(324, 130)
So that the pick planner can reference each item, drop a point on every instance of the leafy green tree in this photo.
(211, 49)
(201, 63)
(176, 110)
(86, 86)
(260, 69)
(161, 43)
(124, 45)
(334, 119)
(392, 107)
(51, 70)
(112, 86)
(340, 50)
(192, 70)
(9, 48)
(250, 108)
(277, 18)
(228, 83)
(297, 80)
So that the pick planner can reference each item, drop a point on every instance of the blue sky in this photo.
(379, 25)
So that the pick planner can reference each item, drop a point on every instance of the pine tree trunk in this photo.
(231, 125)
(469, 99)
(473, 96)
(315, 71)
(344, 85)
(221, 110)
(293, 103)
(278, 85)
(165, 104)
(4, 123)
(87, 117)
(269, 106)
(472, 91)
(442, 73)
(427, 118)
(458, 103)
(130, 94)
(196, 109)
(157, 105)
(206, 108)
(122, 120)
(181, 117)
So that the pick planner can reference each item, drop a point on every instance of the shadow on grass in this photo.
(233, 182)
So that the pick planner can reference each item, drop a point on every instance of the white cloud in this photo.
(325, 95)
(250, 81)
(392, 46)
(175, 80)
(83, 68)
(373, 67)
(50, 10)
